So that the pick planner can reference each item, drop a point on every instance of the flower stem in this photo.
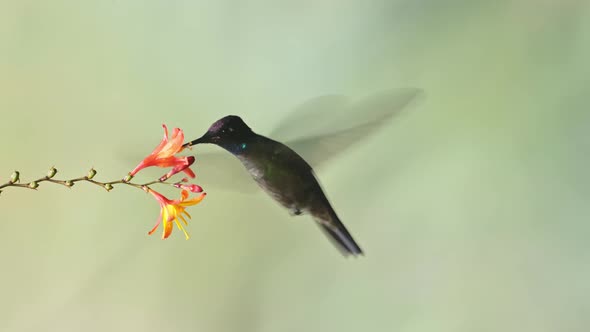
(108, 186)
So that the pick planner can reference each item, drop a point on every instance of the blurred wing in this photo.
(301, 121)
(361, 120)
(317, 150)
(222, 171)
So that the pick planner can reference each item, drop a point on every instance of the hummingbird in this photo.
(339, 123)
(283, 174)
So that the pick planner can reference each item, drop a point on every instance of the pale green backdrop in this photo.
(472, 207)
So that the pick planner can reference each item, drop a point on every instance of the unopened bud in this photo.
(33, 185)
(190, 187)
(15, 177)
(51, 173)
(91, 174)
(69, 183)
(108, 187)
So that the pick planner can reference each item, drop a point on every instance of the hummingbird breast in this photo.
(282, 174)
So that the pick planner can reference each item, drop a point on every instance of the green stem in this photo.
(108, 186)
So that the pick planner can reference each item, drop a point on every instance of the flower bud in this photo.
(69, 183)
(15, 177)
(33, 185)
(51, 173)
(91, 174)
(108, 187)
(190, 187)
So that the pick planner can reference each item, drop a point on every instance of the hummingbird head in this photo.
(229, 132)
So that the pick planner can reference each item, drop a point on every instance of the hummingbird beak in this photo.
(201, 140)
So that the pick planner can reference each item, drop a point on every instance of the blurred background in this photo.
(472, 206)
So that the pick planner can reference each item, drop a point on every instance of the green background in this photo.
(472, 207)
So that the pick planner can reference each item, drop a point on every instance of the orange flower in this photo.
(163, 156)
(172, 210)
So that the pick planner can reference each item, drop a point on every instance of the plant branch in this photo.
(108, 186)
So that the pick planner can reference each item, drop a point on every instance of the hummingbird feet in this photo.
(295, 211)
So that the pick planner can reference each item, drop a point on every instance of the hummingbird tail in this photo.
(339, 235)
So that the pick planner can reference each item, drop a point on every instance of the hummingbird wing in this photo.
(301, 121)
(221, 170)
(359, 119)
